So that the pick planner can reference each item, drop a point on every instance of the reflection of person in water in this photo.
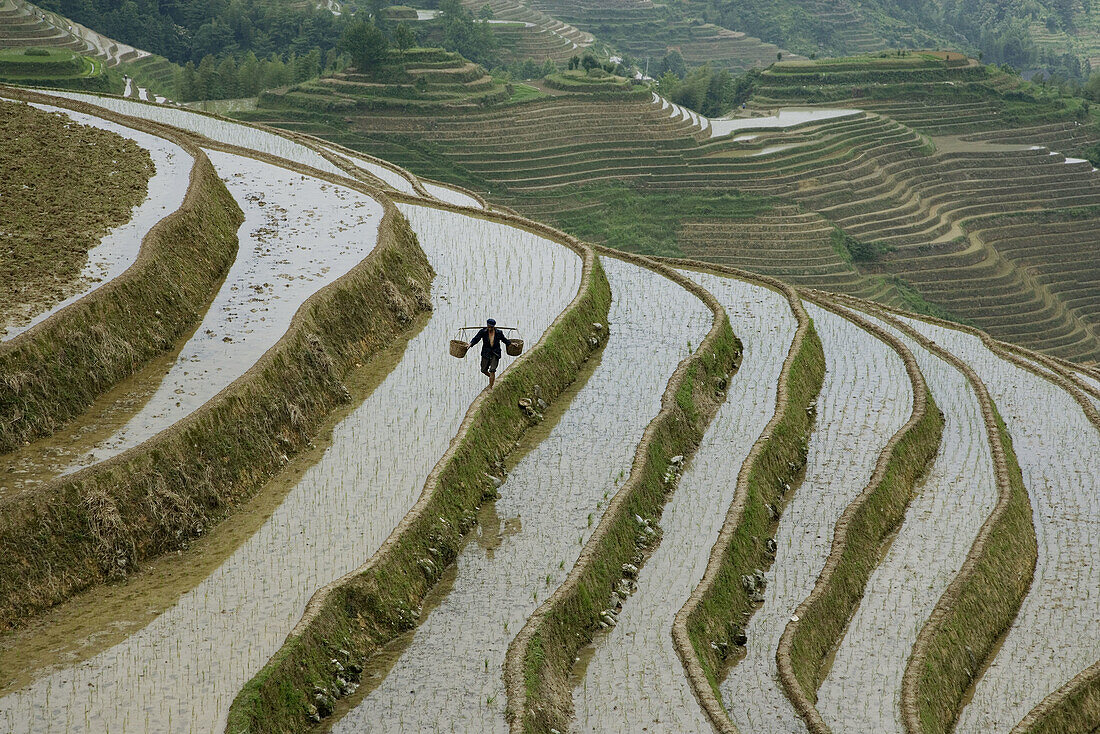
(490, 340)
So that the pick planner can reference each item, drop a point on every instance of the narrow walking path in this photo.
(863, 688)
(181, 672)
(1056, 633)
(119, 248)
(449, 678)
(866, 397)
(635, 678)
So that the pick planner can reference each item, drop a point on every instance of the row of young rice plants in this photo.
(983, 597)
(861, 691)
(634, 679)
(354, 616)
(704, 632)
(552, 499)
(223, 630)
(541, 657)
(865, 398)
(1056, 632)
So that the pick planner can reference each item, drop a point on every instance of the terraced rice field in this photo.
(633, 676)
(644, 29)
(859, 409)
(862, 687)
(299, 235)
(1056, 635)
(345, 581)
(550, 503)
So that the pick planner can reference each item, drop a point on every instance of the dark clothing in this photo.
(487, 349)
(489, 364)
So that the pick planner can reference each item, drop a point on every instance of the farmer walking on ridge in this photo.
(490, 340)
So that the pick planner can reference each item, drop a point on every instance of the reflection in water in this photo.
(180, 672)
(561, 488)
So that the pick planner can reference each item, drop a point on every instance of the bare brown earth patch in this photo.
(64, 186)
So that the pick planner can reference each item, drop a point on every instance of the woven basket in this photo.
(459, 348)
(514, 347)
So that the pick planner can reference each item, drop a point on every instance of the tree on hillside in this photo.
(365, 44)
(461, 33)
(589, 62)
(1092, 88)
(403, 36)
(673, 62)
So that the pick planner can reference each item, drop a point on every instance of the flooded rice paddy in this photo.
(388, 175)
(299, 234)
(786, 117)
(451, 196)
(863, 688)
(866, 397)
(119, 248)
(222, 131)
(180, 672)
(1057, 631)
(449, 677)
(635, 680)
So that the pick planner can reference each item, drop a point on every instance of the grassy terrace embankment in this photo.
(540, 37)
(354, 616)
(540, 658)
(405, 81)
(56, 67)
(867, 524)
(983, 599)
(64, 187)
(704, 630)
(55, 370)
(105, 520)
(936, 93)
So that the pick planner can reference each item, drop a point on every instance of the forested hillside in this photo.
(189, 31)
(1001, 30)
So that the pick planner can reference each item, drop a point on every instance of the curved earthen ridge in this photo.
(697, 677)
(802, 699)
(911, 694)
(1075, 707)
(112, 301)
(328, 607)
(519, 649)
(139, 466)
(1079, 696)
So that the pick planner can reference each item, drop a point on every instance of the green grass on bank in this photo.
(716, 624)
(57, 67)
